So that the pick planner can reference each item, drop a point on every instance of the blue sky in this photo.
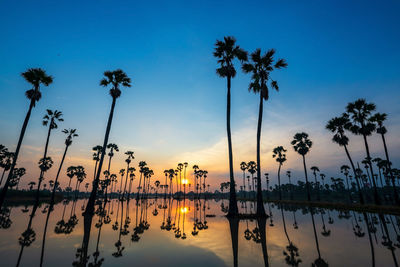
(337, 52)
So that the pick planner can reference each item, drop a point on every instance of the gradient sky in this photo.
(337, 51)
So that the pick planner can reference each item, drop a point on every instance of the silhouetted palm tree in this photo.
(337, 126)
(6, 159)
(36, 77)
(345, 170)
(379, 118)
(226, 51)
(49, 119)
(302, 145)
(362, 124)
(116, 79)
(261, 67)
(279, 154)
(71, 133)
(315, 169)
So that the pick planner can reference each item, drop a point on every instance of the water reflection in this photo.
(195, 231)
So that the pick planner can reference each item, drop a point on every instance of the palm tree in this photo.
(36, 77)
(227, 51)
(243, 167)
(49, 119)
(31, 185)
(279, 154)
(261, 67)
(337, 126)
(128, 169)
(379, 118)
(96, 157)
(345, 170)
(116, 79)
(112, 147)
(6, 161)
(302, 145)
(362, 124)
(315, 169)
(71, 133)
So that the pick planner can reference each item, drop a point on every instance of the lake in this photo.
(158, 232)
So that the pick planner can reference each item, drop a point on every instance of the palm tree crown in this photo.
(260, 68)
(115, 78)
(279, 154)
(226, 51)
(51, 117)
(36, 77)
(301, 143)
(360, 113)
(337, 125)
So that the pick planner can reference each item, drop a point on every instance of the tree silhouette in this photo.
(36, 77)
(227, 51)
(360, 113)
(337, 126)
(260, 68)
(379, 118)
(116, 79)
(302, 145)
(280, 156)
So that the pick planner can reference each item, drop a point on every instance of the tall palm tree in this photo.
(279, 154)
(49, 119)
(227, 51)
(112, 147)
(337, 126)
(128, 169)
(302, 144)
(360, 113)
(315, 169)
(71, 133)
(96, 157)
(261, 67)
(36, 77)
(345, 170)
(116, 79)
(243, 167)
(379, 118)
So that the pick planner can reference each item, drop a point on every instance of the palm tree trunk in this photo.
(14, 162)
(2, 176)
(260, 204)
(279, 181)
(396, 196)
(307, 183)
(233, 208)
(234, 229)
(90, 205)
(376, 196)
(355, 175)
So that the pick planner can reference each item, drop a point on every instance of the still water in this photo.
(196, 233)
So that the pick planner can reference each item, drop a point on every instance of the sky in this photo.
(337, 51)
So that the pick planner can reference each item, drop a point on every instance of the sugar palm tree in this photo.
(71, 133)
(128, 169)
(345, 170)
(36, 77)
(280, 157)
(50, 119)
(315, 169)
(360, 113)
(6, 161)
(116, 79)
(260, 68)
(337, 126)
(96, 157)
(243, 167)
(302, 144)
(112, 147)
(379, 118)
(226, 52)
